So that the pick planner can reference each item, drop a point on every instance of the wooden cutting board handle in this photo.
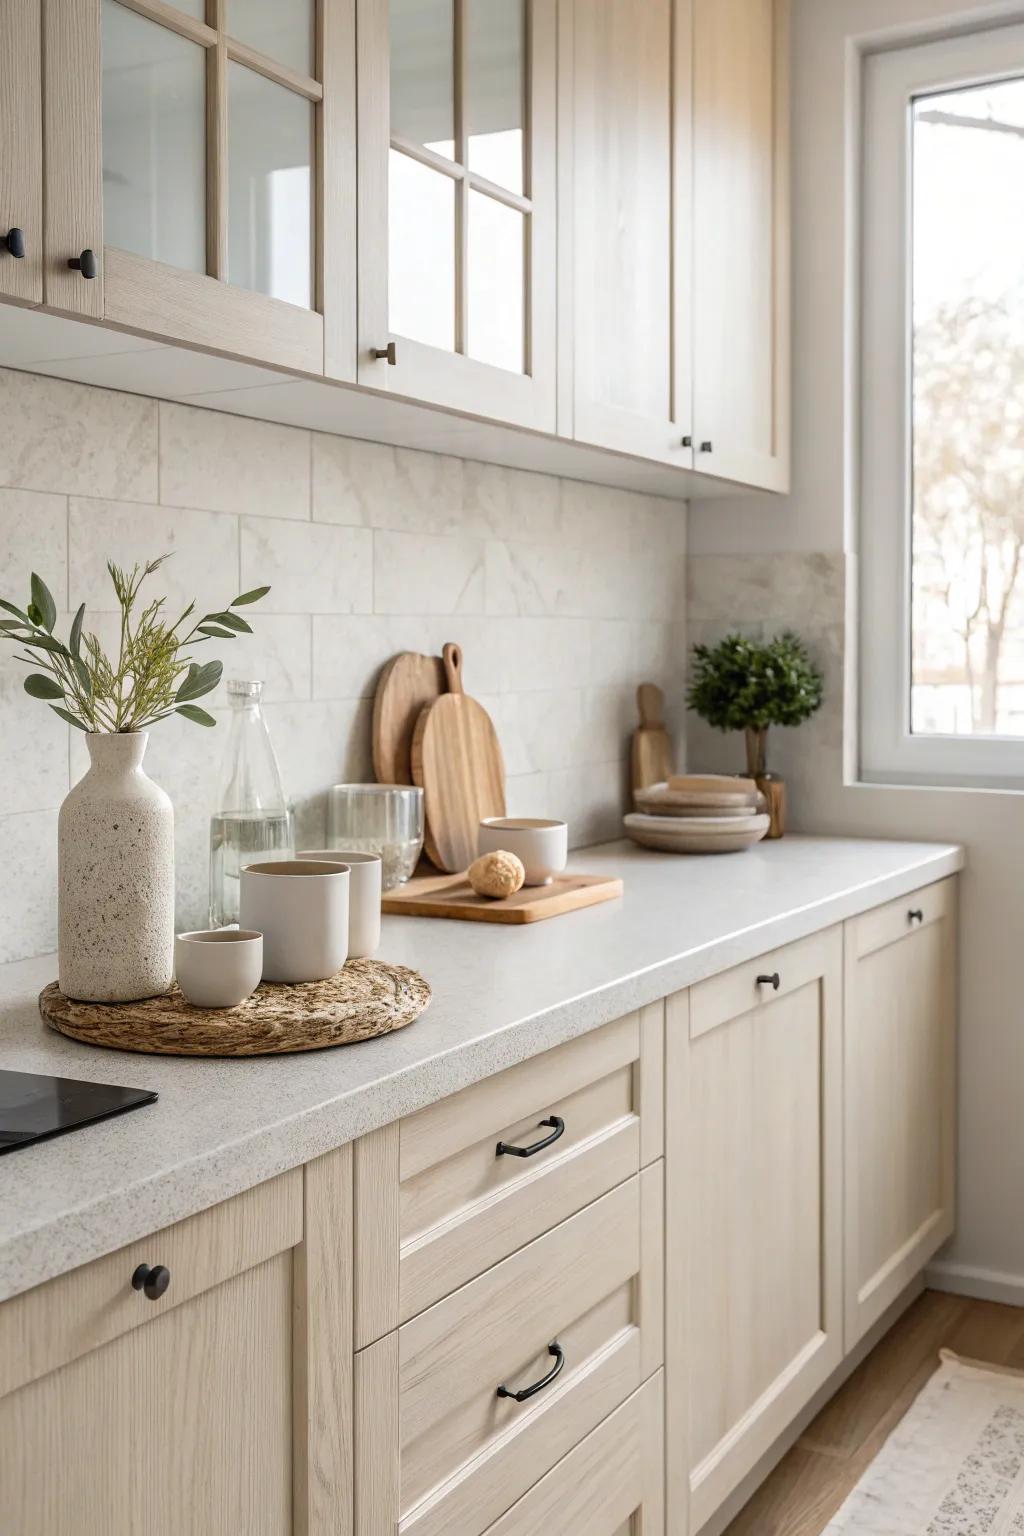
(452, 655)
(651, 703)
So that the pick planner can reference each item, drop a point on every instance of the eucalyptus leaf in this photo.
(18, 614)
(75, 638)
(42, 687)
(203, 680)
(71, 720)
(250, 597)
(9, 626)
(83, 674)
(196, 715)
(214, 632)
(46, 643)
(43, 601)
(232, 621)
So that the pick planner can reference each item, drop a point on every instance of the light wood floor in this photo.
(813, 1479)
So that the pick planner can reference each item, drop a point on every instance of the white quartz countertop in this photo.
(501, 994)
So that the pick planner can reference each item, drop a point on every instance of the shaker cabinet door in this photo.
(201, 173)
(624, 211)
(754, 1202)
(900, 1029)
(741, 240)
(21, 153)
(457, 204)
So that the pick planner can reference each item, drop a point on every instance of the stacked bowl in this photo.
(698, 813)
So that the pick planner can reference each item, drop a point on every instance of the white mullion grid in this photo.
(462, 185)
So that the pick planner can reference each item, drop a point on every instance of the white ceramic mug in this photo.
(364, 888)
(542, 846)
(218, 967)
(301, 908)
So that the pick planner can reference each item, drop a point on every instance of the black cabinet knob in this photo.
(916, 915)
(774, 981)
(85, 263)
(706, 446)
(389, 352)
(687, 441)
(13, 242)
(151, 1282)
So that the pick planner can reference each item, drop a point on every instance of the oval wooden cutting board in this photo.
(408, 683)
(457, 762)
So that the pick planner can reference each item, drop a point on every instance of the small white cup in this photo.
(364, 890)
(542, 846)
(301, 908)
(218, 967)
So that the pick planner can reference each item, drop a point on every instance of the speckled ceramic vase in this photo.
(115, 856)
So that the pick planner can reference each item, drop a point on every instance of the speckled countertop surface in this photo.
(500, 995)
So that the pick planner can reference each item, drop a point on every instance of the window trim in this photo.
(890, 81)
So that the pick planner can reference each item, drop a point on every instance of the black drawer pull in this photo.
(151, 1282)
(85, 263)
(774, 981)
(13, 242)
(915, 915)
(545, 1381)
(504, 1149)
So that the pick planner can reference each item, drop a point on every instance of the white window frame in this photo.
(889, 753)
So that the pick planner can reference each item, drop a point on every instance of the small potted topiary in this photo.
(749, 685)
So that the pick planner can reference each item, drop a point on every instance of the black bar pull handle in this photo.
(916, 915)
(504, 1149)
(774, 981)
(545, 1381)
(13, 242)
(84, 263)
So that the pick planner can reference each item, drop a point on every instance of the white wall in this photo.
(757, 560)
(563, 596)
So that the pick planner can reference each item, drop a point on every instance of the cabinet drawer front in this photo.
(884, 925)
(455, 1453)
(611, 1485)
(438, 1203)
(76, 1312)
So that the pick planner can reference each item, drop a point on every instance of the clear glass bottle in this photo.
(252, 820)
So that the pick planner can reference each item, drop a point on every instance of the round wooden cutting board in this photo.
(365, 998)
(408, 683)
(457, 762)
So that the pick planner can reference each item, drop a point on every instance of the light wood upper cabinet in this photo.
(21, 160)
(741, 240)
(457, 204)
(200, 172)
(754, 1211)
(624, 221)
(900, 1013)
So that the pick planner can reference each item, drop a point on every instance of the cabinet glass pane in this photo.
(270, 188)
(495, 283)
(195, 8)
(282, 29)
(423, 73)
(154, 140)
(495, 36)
(421, 253)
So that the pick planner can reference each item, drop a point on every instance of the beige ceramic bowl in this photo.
(218, 967)
(301, 908)
(543, 846)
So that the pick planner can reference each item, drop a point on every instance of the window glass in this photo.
(495, 263)
(496, 31)
(967, 672)
(423, 73)
(421, 252)
(282, 29)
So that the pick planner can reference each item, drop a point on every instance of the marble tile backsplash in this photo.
(563, 596)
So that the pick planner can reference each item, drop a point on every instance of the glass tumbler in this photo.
(378, 818)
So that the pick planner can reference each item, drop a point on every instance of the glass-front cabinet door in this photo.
(201, 172)
(456, 204)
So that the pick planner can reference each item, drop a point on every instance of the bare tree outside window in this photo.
(968, 413)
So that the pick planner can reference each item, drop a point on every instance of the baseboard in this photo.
(983, 1284)
(740, 1495)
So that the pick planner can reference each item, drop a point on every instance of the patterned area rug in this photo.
(954, 1466)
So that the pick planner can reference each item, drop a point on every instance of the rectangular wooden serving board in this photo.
(453, 896)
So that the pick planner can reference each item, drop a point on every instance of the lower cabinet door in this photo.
(462, 1410)
(900, 1009)
(611, 1485)
(754, 1141)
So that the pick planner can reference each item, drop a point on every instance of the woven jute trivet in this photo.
(365, 998)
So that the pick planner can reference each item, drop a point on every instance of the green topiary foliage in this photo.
(742, 684)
